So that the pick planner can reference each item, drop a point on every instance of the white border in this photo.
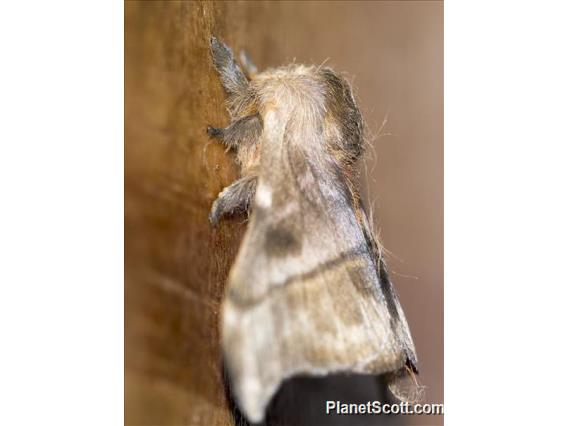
(506, 161)
(61, 224)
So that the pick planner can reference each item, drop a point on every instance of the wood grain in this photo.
(175, 265)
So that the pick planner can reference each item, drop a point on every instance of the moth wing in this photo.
(404, 385)
(305, 294)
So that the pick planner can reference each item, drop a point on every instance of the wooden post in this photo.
(175, 265)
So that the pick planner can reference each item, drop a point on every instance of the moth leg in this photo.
(243, 130)
(235, 198)
(232, 77)
(250, 68)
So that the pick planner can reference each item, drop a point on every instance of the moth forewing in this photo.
(308, 292)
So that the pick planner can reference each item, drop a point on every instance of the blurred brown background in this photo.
(176, 265)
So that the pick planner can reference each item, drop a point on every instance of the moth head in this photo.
(315, 98)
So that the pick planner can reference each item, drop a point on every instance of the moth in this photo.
(309, 291)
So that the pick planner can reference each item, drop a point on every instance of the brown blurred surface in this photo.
(176, 265)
